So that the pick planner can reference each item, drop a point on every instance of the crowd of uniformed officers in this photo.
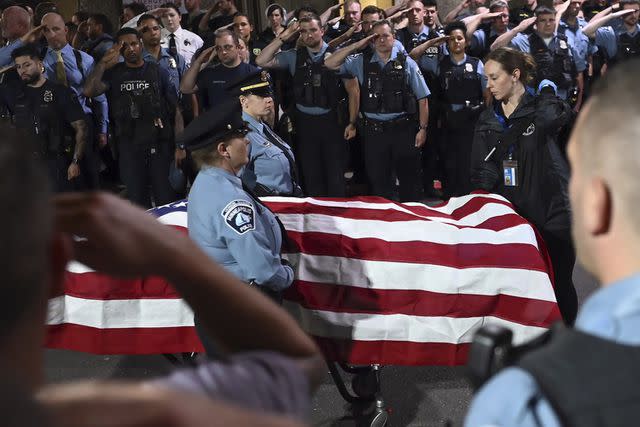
(412, 105)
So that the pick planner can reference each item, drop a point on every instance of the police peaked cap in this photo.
(257, 83)
(213, 126)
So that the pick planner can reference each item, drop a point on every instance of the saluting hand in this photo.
(363, 43)
(290, 32)
(207, 56)
(34, 35)
(112, 56)
(526, 23)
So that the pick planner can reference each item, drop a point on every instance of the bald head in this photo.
(604, 151)
(54, 30)
(16, 22)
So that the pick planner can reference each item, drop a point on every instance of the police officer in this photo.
(318, 94)
(209, 80)
(71, 67)
(175, 66)
(485, 33)
(587, 376)
(415, 37)
(243, 28)
(392, 92)
(516, 154)
(623, 42)
(557, 60)
(229, 223)
(272, 169)
(143, 107)
(461, 87)
(52, 113)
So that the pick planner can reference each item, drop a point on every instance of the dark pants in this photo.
(389, 152)
(141, 167)
(433, 151)
(458, 142)
(90, 161)
(57, 166)
(563, 259)
(321, 152)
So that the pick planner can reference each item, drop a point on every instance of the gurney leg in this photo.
(342, 388)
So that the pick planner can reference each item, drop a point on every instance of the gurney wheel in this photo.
(380, 419)
(365, 384)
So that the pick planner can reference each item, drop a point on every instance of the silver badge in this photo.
(48, 96)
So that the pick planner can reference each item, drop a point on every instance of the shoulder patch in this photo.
(240, 216)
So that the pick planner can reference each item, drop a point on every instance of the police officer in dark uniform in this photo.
(318, 93)
(420, 29)
(461, 85)
(53, 114)
(556, 58)
(143, 109)
(392, 93)
(621, 42)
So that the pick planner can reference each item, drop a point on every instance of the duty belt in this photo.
(383, 125)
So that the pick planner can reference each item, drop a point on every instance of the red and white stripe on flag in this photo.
(376, 282)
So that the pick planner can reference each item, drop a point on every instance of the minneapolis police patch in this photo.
(240, 216)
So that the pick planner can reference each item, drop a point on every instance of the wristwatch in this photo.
(75, 160)
(422, 127)
(180, 146)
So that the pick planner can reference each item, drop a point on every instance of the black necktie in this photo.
(275, 140)
(173, 49)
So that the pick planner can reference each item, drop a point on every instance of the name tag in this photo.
(510, 171)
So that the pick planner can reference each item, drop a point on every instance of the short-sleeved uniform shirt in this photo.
(235, 231)
(354, 66)
(607, 38)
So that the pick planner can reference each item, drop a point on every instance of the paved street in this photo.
(422, 396)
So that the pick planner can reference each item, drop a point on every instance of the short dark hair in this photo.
(30, 50)
(273, 7)
(305, 8)
(127, 30)
(26, 238)
(102, 20)
(146, 17)
(371, 9)
(544, 10)
(455, 25)
(430, 3)
(136, 8)
(381, 23)
(308, 19)
(170, 5)
(71, 26)
(498, 5)
(82, 15)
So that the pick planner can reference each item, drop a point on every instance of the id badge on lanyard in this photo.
(510, 170)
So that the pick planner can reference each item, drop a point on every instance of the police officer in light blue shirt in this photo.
(229, 223)
(272, 167)
(620, 41)
(149, 29)
(392, 93)
(588, 376)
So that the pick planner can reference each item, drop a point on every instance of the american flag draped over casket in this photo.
(376, 282)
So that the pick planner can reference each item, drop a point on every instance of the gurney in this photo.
(377, 283)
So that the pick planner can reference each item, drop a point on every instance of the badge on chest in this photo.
(240, 216)
(510, 172)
